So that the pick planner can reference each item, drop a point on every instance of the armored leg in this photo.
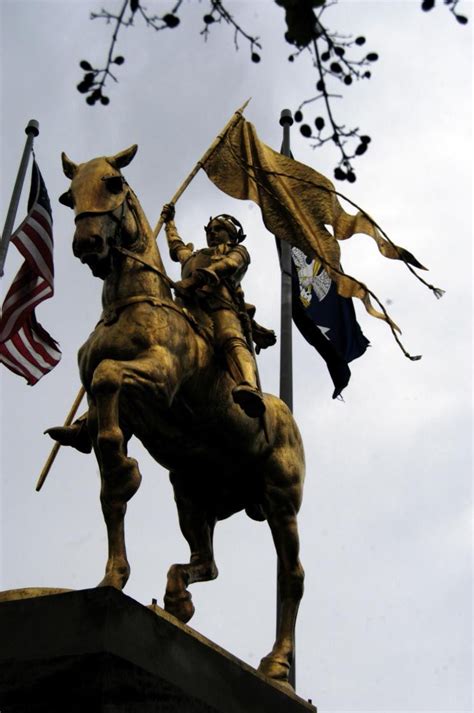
(242, 368)
(240, 362)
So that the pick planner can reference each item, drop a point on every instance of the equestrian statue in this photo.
(179, 373)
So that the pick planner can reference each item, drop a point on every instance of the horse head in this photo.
(107, 212)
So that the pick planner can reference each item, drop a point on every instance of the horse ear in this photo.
(122, 159)
(69, 167)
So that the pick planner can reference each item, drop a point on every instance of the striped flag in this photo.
(25, 347)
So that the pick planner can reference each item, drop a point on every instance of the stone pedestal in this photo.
(98, 651)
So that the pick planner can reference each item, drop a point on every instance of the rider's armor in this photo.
(221, 296)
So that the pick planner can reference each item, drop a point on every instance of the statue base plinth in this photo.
(99, 651)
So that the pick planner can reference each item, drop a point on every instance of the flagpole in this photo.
(286, 350)
(286, 345)
(31, 131)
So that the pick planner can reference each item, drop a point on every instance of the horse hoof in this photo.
(75, 435)
(116, 579)
(180, 607)
(276, 669)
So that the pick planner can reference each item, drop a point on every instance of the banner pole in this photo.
(54, 450)
(31, 131)
(236, 116)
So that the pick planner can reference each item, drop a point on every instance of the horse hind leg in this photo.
(282, 519)
(120, 477)
(198, 530)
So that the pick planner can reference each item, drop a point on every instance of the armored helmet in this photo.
(231, 224)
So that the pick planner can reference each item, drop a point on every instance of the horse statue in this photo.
(150, 371)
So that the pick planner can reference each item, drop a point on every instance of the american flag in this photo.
(25, 347)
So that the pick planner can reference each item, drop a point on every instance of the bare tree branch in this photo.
(335, 57)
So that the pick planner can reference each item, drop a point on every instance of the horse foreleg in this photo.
(198, 530)
(284, 527)
(120, 477)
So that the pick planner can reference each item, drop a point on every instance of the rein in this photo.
(147, 264)
(111, 312)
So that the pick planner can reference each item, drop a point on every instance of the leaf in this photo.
(340, 51)
(351, 177)
(362, 148)
(171, 20)
(119, 60)
(325, 56)
(360, 41)
(134, 5)
(208, 19)
(427, 5)
(298, 116)
(255, 57)
(320, 86)
(336, 68)
(305, 129)
(462, 19)
(319, 123)
(89, 78)
(339, 174)
(84, 64)
(372, 57)
(347, 79)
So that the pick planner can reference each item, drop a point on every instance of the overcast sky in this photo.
(385, 623)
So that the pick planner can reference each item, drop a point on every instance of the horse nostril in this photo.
(90, 244)
(97, 242)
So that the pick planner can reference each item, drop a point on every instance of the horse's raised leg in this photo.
(198, 530)
(281, 509)
(120, 477)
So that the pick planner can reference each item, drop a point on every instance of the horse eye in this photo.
(67, 199)
(114, 183)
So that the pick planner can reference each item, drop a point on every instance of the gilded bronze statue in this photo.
(168, 371)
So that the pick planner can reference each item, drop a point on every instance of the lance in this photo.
(31, 131)
(236, 116)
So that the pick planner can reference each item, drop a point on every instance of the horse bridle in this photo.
(109, 314)
(115, 242)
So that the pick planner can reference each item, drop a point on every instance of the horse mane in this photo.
(145, 230)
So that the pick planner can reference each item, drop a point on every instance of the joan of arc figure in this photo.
(213, 276)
